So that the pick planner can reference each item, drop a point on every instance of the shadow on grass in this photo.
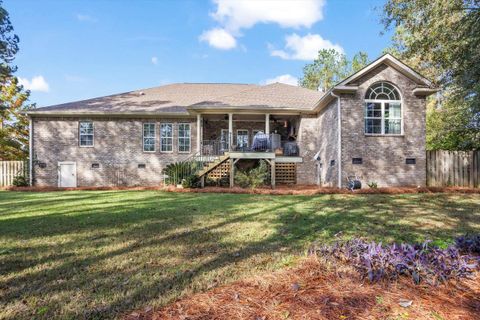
(98, 254)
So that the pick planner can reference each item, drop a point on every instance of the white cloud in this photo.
(85, 18)
(219, 38)
(304, 48)
(38, 83)
(236, 15)
(284, 78)
(155, 60)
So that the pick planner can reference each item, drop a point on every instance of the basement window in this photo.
(332, 163)
(141, 166)
(357, 161)
(95, 165)
(410, 161)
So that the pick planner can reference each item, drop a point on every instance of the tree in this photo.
(359, 61)
(13, 98)
(329, 68)
(13, 122)
(8, 45)
(441, 39)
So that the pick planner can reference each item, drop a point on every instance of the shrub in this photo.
(253, 178)
(372, 185)
(421, 261)
(468, 244)
(192, 181)
(178, 171)
(20, 181)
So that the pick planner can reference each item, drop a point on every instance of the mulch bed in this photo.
(280, 190)
(314, 291)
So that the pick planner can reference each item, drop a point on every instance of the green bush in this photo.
(20, 181)
(177, 172)
(192, 181)
(253, 178)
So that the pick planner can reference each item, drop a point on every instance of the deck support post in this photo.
(230, 131)
(199, 132)
(202, 181)
(267, 123)
(232, 172)
(272, 172)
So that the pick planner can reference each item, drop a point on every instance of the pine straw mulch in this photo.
(279, 190)
(314, 291)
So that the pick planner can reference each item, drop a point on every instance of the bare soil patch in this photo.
(316, 291)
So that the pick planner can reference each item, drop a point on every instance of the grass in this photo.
(99, 254)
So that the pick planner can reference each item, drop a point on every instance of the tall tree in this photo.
(329, 68)
(441, 39)
(8, 44)
(13, 98)
(13, 122)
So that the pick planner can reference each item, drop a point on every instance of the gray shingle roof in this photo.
(177, 98)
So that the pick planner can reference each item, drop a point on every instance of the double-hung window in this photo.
(166, 137)
(383, 110)
(184, 137)
(85, 133)
(149, 137)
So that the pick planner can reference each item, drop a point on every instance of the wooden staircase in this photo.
(211, 165)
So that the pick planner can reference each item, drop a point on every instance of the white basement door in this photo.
(67, 174)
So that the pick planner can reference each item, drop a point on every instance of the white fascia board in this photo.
(393, 62)
(425, 91)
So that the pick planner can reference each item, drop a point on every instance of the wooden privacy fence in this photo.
(453, 168)
(11, 169)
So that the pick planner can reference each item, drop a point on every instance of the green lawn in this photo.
(98, 254)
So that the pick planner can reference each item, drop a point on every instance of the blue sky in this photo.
(73, 50)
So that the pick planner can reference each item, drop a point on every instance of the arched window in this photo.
(383, 109)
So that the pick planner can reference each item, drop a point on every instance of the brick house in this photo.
(371, 124)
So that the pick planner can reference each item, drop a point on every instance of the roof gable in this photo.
(393, 62)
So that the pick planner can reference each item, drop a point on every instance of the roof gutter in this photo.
(332, 94)
(425, 91)
(107, 114)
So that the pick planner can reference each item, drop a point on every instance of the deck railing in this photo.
(260, 143)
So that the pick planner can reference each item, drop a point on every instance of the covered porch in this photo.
(225, 139)
(247, 133)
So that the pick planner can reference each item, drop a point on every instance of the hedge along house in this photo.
(371, 124)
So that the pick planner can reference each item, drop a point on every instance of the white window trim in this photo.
(154, 137)
(248, 136)
(382, 103)
(161, 149)
(189, 137)
(93, 134)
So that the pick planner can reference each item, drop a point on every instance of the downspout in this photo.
(339, 150)
(30, 151)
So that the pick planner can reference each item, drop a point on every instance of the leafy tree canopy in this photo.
(441, 39)
(329, 68)
(8, 44)
(13, 98)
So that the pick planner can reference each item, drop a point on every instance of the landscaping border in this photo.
(280, 190)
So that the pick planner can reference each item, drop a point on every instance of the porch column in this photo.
(267, 123)
(230, 131)
(199, 132)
